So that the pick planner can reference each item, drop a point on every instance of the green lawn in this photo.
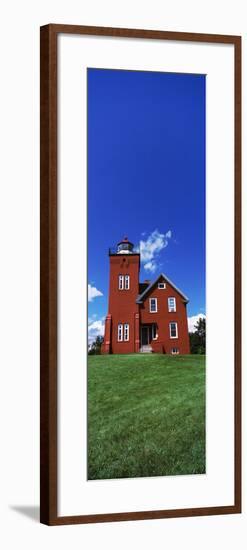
(146, 415)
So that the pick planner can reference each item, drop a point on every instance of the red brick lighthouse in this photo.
(122, 321)
(142, 317)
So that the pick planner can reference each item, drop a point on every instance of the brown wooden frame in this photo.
(48, 300)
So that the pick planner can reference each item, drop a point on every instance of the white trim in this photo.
(127, 280)
(141, 296)
(120, 332)
(172, 309)
(156, 305)
(161, 286)
(126, 332)
(120, 282)
(156, 336)
(176, 325)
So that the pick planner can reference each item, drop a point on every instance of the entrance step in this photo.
(146, 349)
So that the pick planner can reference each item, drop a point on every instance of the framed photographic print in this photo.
(140, 274)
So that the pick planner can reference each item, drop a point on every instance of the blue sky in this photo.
(146, 179)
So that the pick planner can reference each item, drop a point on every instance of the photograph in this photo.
(146, 178)
(140, 270)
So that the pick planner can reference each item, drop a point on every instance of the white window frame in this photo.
(176, 325)
(156, 305)
(172, 309)
(120, 332)
(126, 332)
(120, 282)
(161, 286)
(127, 282)
(175, 351)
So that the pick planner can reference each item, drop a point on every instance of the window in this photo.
(154, 331)
(126, 332)
(153, 305)
(161, 286)
(123, 332)
(171, 304)
(127, 282)
(121, 282)
(173, 330)
(120, 333)
(175, 351)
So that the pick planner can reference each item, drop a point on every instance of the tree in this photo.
(198, 338)
(95, 348)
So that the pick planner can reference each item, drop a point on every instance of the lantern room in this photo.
(125, 246)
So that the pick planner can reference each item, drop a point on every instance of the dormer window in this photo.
(153, 305)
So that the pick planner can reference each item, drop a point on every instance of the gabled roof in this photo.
(142, 296)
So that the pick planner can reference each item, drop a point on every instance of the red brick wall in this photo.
(164, 343)
(122, 303)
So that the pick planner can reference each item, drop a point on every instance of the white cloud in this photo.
(96, 328)
(150, 266)
(93, 292)
(92, 318)
(151, 248)
(193, 320)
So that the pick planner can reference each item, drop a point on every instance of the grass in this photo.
(146, 415)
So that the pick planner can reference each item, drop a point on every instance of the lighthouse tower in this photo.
(122, 331)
